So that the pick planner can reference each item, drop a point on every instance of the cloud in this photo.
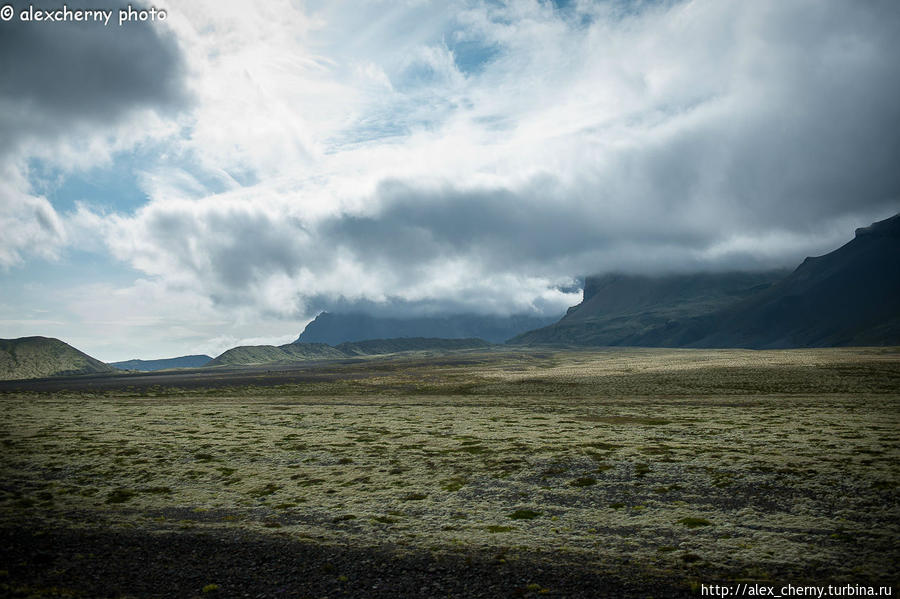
(146, 318)
(479, 156)
(60, 77)
(73, 93)
(27, 222)
(680, 137)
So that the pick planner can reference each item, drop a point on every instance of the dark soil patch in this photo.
(143, 564)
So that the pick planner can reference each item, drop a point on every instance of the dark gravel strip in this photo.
(142, 564)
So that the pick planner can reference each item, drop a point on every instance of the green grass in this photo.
(120, 495)
(524, 515)
(265, 490)
(738, 458)
(494, 528)
(695, 522)
(584, 481)
(453, 484)
(415, 496)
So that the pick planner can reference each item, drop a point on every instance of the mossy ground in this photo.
(739, 463)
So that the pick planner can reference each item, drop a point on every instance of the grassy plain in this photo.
(689, 465)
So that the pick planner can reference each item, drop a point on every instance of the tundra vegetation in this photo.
(690, 465)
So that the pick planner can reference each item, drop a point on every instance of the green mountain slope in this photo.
(264, 354)
(35, 357)
(248, 355)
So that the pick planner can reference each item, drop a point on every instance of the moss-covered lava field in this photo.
(683, 466)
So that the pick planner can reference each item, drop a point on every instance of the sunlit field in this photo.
(683, 466)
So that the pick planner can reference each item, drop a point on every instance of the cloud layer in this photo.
(469, 156)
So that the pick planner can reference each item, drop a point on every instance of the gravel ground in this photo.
(88, 563)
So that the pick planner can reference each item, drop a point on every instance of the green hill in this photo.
(35, 357)
(264, 354)
(390, 346)
(248, 355)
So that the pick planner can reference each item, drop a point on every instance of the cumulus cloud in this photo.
(690, 135)
(478, 156)
(73, 93)
(62, 75)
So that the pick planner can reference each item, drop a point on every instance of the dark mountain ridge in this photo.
(335, 329)
(619, 307)
(192, 361)
(850, 296)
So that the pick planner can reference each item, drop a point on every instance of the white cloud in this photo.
(477, 156)
(73, 95)
(618, 144)
(29, 223)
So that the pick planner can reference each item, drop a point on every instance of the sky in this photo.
(218, 177)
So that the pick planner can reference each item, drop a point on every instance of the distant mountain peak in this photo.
(192, 361)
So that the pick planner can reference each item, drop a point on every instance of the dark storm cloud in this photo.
(825, 142)
(236, 247)
(58, 75)
(542, 224)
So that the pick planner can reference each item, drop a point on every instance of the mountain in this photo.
(263, 354)
(35, 357)
(390, 346)
(850, 296)
(335, 329)
(618, 308)
(300, 352)
(193, 361)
